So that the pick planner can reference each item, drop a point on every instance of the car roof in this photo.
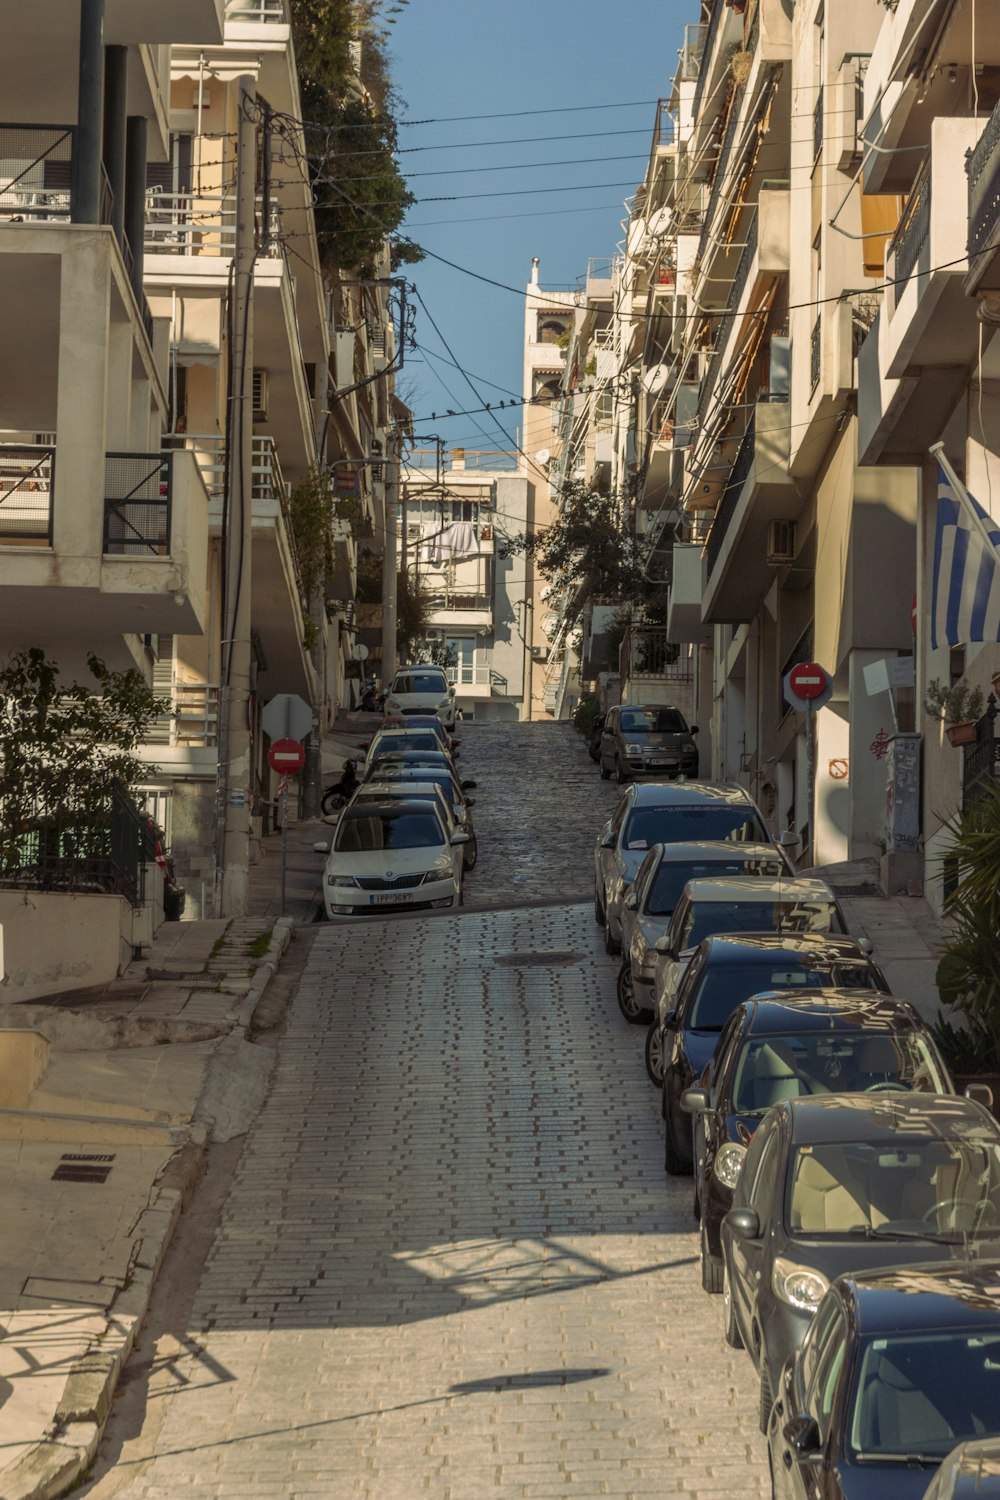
(963, 1294)
(390, 806)
(738, 947)
(418, 721)
(371, 790)
(749, 888)
(709, 850)
(828, 1010)
(687, 793)
(410, 757)
(886, 1119)
(387, 731)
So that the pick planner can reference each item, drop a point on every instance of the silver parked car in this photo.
(647, 741)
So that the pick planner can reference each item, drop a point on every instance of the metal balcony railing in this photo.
(36, 166)
(736, 290)
(649, 653)
(753, 35)
(192, 719)
(718, 11)
(444, 599)
(983, 167)
(979, 769)
(692, 51)
(105, 850)
(816, 353)
(721, 167)
(201, 224)
(26, 478)
(731, 494)
(913, 229)
(818, 127)
(470, 674)
(137, 504)
(256, 11)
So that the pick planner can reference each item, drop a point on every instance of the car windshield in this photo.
(652, 721)
(671, 879)
(363, 831)
(711, 917)
(420, 682)
(722, 987)
(920, 1394)
(795, 1064)
(443, 779)
(416, 739)
(686, 824)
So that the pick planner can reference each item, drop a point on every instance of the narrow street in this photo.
(449, 1262)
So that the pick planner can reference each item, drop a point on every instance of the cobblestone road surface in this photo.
(450, 1264)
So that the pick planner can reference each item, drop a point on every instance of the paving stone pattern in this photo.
(450, 1264)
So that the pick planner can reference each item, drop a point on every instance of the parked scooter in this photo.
(371, 698)
(339, 794)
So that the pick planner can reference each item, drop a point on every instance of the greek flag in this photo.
(965, 602)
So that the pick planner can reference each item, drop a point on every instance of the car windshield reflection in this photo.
(722, 988)
(801, 1064)
(364, 831)
(672, 878)
(677, 825)
(920, 1394)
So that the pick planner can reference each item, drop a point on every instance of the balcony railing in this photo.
(192, 719)
(818, 127)
(692, 51)
(105, 851)
(471, 674)
(913, 229)
(200, 224)
(649, 653)
(753, 35)
(256, 11)
(736, 289)
(453, 599)
(26, 477)
(816, 353)
(731, 494)
(36, 165)
(983, 167)
(718, 11)
(721, 167)
(137, 503)
(979, 769)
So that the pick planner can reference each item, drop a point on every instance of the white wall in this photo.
(56, 941)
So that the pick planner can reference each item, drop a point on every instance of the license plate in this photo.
(391, 898)
(669, 764)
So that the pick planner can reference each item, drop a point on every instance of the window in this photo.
(821, 1397)
(761, 1194)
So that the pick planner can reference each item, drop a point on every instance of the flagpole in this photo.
(962, 493)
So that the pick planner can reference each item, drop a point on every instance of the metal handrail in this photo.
(731, 494)
(706, 56)
(27, 476)
(913, 229)
(201, 224)
(983, 168)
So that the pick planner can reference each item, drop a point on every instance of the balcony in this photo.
(759, 490)
(121, 546)
(687, 593)
(257, 12)
(186, 737)
(983, 167)
(476, 680)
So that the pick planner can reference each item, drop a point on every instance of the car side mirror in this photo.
(364, 744)
(744, 1223)
(981, 1093)
(789, 840)
(866, 945)
(632, 901)
(470, 801)
(670, 1020)
(460, 836)
(321, 848)
(802, 1436)
(455, 744)
(468, 786)
(694, 729)
(663, 945)
(694, 1101)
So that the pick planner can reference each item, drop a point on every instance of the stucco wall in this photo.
(56, 941)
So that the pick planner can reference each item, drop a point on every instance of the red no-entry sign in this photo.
(807, 680)
(286, 756)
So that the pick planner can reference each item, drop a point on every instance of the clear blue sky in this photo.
(466, 57)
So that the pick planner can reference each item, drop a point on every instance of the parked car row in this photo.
(405, 838)
(848, 1201)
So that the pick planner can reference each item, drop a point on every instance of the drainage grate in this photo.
(79, 1167)
(541, 958)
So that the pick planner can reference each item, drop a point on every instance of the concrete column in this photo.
(134, 204)
(89, 144)
(115, 93)
(81, 409)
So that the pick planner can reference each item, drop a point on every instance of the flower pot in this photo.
(991, 1079)
(962, 733)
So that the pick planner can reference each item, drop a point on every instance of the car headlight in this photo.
(799, 1286)
(689, 747)
(649, 957)
(728, 1163)
(633, 749)
(343, 880)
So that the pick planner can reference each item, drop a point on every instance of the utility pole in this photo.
(389, 559)
(233, 874)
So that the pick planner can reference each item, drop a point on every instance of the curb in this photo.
(55, 1465)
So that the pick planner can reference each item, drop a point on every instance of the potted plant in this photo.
(958, 705)
(968, 976)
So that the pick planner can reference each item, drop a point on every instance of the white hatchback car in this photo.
(422, 689)
(391, 855)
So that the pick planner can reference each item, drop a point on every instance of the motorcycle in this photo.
(371, 698)
(337, 796)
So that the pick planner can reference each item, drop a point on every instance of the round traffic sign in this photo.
(286, 756)
(807, 680)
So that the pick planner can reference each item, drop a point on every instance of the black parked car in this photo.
(843, 1183)
(723, 972)
(777, 1046)
(896, 1369)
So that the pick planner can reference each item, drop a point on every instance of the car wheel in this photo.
(627, 1002)
(711, 1269)
(654, 1055)
(605, 773)
(766, 1400)
(729, 1325)
(675, 1164)
(470, 855)
(611, 944)
(620, 776)
(598, 909)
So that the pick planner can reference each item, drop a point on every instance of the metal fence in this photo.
(36, 163)
(649, 653)
(983, 167)
(26, 477)
(913, 231)
(981, 758)
(137, 502)
(731, 494)
(104, 850)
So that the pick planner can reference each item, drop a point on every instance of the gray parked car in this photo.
(647, 741)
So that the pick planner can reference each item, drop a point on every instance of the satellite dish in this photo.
(359, 652)
(543, 456)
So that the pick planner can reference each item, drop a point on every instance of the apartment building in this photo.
(453, 507)
(118, 231)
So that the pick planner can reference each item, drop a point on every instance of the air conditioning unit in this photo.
(260, 395)
(781, 542)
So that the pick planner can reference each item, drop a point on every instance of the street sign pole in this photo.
(284, 838)
(811, 777)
